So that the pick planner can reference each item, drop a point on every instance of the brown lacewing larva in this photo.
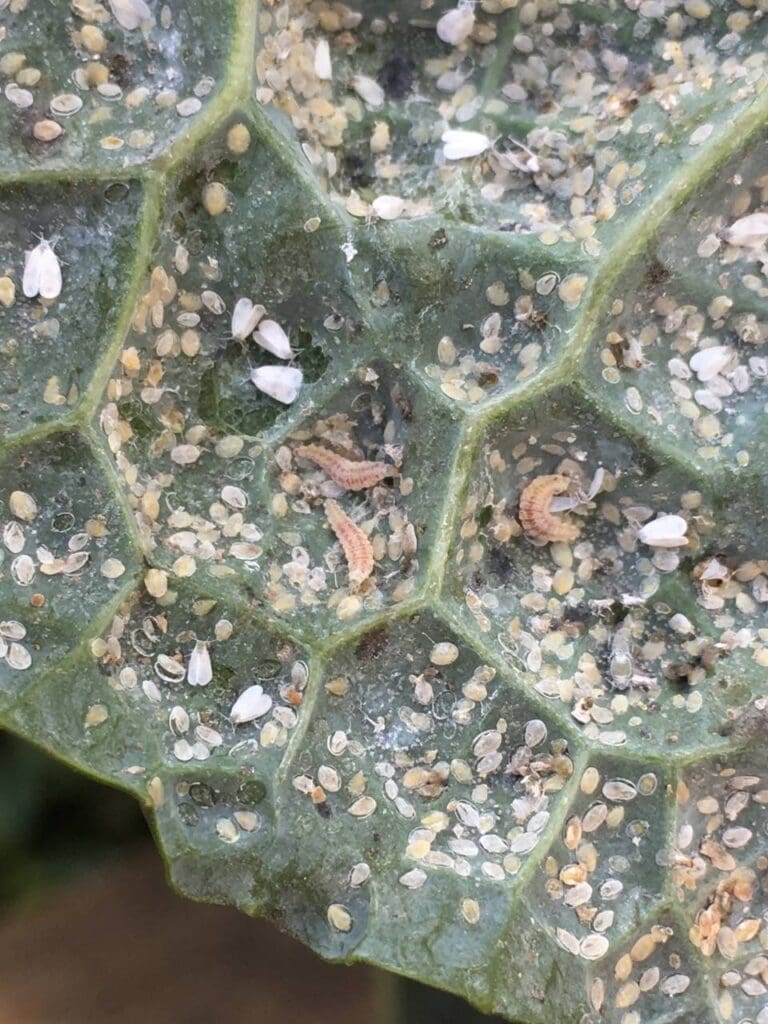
(352, 476)
(535, 517)
(357, 548)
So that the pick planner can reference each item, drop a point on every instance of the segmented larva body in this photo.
(356, 546)
(535, 517)
(352, 476)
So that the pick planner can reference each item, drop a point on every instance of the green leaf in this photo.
(83, 89)
(47, 357)
(493, 720)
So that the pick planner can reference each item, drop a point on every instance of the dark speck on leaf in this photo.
(439, 239)
(356, 170)
(396, 75)
(484, 516)
(119, 67)
(500, 564)
(655, 274)
(372, 644)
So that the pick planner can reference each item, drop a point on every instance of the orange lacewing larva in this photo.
(352, 476)
(535, 516)
(357, 548)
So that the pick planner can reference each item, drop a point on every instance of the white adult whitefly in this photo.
(130, 14)
(709, 362)
(369, 90)
(272, 337)
(456, 25)
(282, 383)
(199, 670)
(461, 143)
(596, 484)
(42, 272)
(387, 207)
(323, 66)
(252, 703)
(245, 318)
(750, 231)
(665, 532)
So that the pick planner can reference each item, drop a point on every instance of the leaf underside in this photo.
(524, 759)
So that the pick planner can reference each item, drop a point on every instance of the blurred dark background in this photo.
(91, 934)
(56, 825)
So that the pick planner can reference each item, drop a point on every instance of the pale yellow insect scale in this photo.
(356, 546)
(352, 476)
(535, 517)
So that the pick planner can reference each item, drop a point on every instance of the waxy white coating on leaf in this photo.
(272, 337)
(42, 272)
(456, 26)
(251, 704)
(665, 532)
(129, 14)
(282, 383)
(199, 671)
(460, 143)
(245, 318)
